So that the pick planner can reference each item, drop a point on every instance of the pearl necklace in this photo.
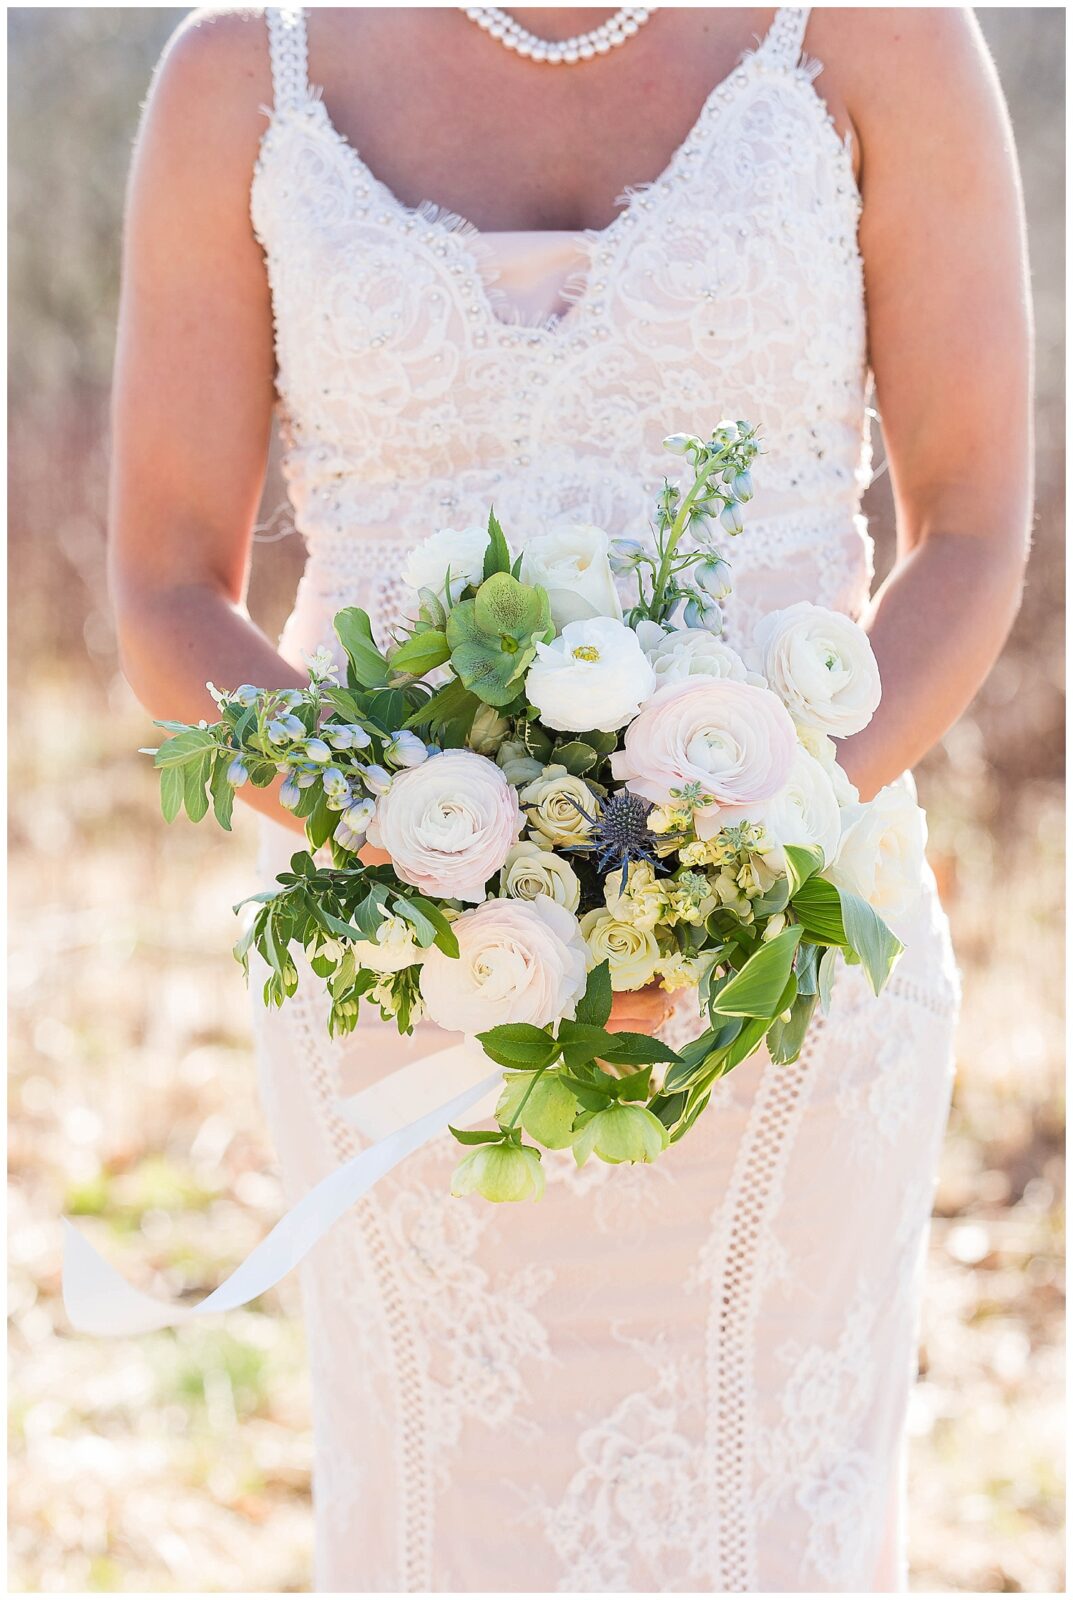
(582, 47)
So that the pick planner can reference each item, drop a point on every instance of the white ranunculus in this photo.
(394, 947)
(571, 563)
(448, 824)
(822, 746)
(459, 551)
(593, 676)
(821, 666)
(530, 871)
(518, 961)
(691, 653)
(804, 812)
(881, 856)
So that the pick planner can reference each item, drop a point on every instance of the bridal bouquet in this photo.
(574, 800)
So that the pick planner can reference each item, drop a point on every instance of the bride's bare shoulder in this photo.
(213, 79)
(896, 55)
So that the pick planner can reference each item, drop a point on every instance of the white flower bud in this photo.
(743, 486)
(290, 794)
(731, 519)
(335, 783)
(237, 773)
(376, 779)
(679, 443)
(317, 750)
(246, 694)
(405, 749)
(713, 576)
(358, 817)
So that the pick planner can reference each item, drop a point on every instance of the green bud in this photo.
(486, 733)
(500, 1172)
(622, 1132)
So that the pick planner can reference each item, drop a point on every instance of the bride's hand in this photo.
(640, 1010)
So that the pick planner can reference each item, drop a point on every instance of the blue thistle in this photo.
(620, 834)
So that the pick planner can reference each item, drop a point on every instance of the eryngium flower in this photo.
(620, 833)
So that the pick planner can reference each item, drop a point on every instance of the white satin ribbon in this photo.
(99, 1300)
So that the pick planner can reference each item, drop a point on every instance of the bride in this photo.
(461, 265)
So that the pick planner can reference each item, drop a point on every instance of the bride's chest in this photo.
(737, 268)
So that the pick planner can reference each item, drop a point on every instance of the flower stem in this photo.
(678, 527)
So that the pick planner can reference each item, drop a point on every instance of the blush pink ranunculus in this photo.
(735, 741)
(449, 824)
(518, 961)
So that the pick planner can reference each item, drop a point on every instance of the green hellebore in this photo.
(549, 1111)
(500, 1172)
(622, 1132)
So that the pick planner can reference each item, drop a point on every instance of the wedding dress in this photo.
(694, 1375)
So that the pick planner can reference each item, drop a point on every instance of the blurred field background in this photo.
(181, 1461)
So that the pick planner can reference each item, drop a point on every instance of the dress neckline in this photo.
(478, 243)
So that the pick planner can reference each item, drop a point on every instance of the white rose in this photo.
(631, 952)
(448, 825)
(881, 856)
(518, 961)
(530, 871)
(570, 562)
(804, 812)
(394, 947)
(459, 551)
(558, 808)
(821, 666)
(691, 653)
(595, 675)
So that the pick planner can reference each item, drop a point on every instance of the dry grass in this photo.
(132, 1090)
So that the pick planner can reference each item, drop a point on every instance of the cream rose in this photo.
(448, 825)
(881, 856)
(518, 961)
(821, 666)
(557, 808)
(594, 675)
(691, 653)
(458, 551)
(393, 948)
(822, 747)
(732, 741)
(631, 952)
(570, 563)
(805, 812)
(530, 871)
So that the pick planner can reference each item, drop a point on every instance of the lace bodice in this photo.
(412, 394)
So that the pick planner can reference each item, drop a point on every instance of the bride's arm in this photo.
(950, 329)
(193, 390)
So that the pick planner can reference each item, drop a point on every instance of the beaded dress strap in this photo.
(287, 50)
(784, 39)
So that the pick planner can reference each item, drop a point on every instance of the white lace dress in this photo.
(691, 1376)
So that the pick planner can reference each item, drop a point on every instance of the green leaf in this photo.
(196, 775)
(497, 555)
(223, 796)
(784, 1039)
(803, 860)
(817, 905)
(420, 653)
(637, 1049)
(519, 1045)
(171, 792)
(430, 924)
(576, 757)
(582, 1042)
(636, 1085)
(869, 936)
(477, 1135)
(594, 1007)
(825, 976)
(188, 746)
(322, 821)
(367, 664)
(755, 990)
(749, 1039)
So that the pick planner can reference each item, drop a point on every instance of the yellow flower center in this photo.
(586, 652)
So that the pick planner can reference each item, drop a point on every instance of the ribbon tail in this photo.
(99, 1300)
